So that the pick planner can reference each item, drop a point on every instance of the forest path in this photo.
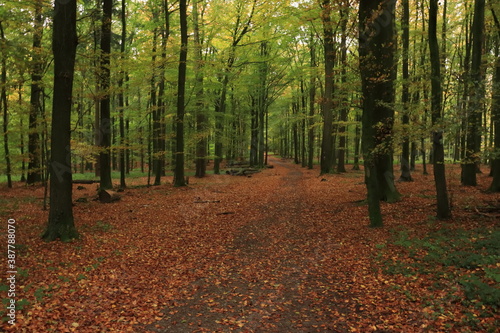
(270, 277)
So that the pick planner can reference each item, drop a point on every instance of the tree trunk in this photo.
(443, 208)
(376, 51)
(312, 104)
(327, 104)
(181, 88)
(357, 141)
(121, 99)
(472, 152)
(344, 108)
(34, 151)
(201, 117)
(105, 107)
(4, 105)
(64, 41)
(378, 75)
(405, 97)
(495, 115)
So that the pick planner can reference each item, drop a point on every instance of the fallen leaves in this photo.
(279, 252)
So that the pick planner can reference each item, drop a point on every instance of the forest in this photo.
(250, 166)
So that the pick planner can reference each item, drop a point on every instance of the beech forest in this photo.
(250, 166)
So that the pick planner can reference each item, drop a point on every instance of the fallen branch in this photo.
(83, 181)
(486, 214)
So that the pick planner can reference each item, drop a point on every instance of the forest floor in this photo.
(285, 250)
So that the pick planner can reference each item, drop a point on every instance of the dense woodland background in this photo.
(164, 86)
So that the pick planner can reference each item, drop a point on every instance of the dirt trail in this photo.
(263, 281)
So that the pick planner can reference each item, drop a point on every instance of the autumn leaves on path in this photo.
(282, 251)
(272, 277)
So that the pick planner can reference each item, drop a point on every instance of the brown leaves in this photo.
(278, 252)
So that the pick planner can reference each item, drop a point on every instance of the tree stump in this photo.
(107, 196)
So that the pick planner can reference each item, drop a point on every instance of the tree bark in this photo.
(312, 104)
(327, 103)
(201, 117)
(4, 105)
(495, 113)
(443, 207)
(34, 151)
(64, 42)
(344, 108)
(376, 50)
(121, 98)
(405, 96)
(378, 73)
(105, 105)
(474, 110)
(181, 88)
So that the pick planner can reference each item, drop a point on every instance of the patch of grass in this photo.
(461, 262)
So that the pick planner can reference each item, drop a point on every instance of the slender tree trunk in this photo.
(303, 115)
(443, 207)
(105, 106)
(4, 105)
(201, 116)
(405, 98)
(121, 99)
(495, 113)
(312, 104)
(34, 151)
(327, 104)
(21, 128)
(344, 108)
(179, 153)
(472, 157)
(64, 41)
(295, 113)
(357, 141)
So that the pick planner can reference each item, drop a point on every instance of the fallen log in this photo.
(242, 172)
(83, 181)
(107, 196)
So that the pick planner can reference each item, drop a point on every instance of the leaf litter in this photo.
(281, 251)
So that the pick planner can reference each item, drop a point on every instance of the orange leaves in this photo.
(296, 255)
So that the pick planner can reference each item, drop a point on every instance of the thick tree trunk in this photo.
(472, 151)
(105, 107)
(181, 88)
(443, 207)
(64, 41)
(378, 73)
(376, 51)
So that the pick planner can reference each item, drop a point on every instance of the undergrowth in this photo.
(463, 265)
